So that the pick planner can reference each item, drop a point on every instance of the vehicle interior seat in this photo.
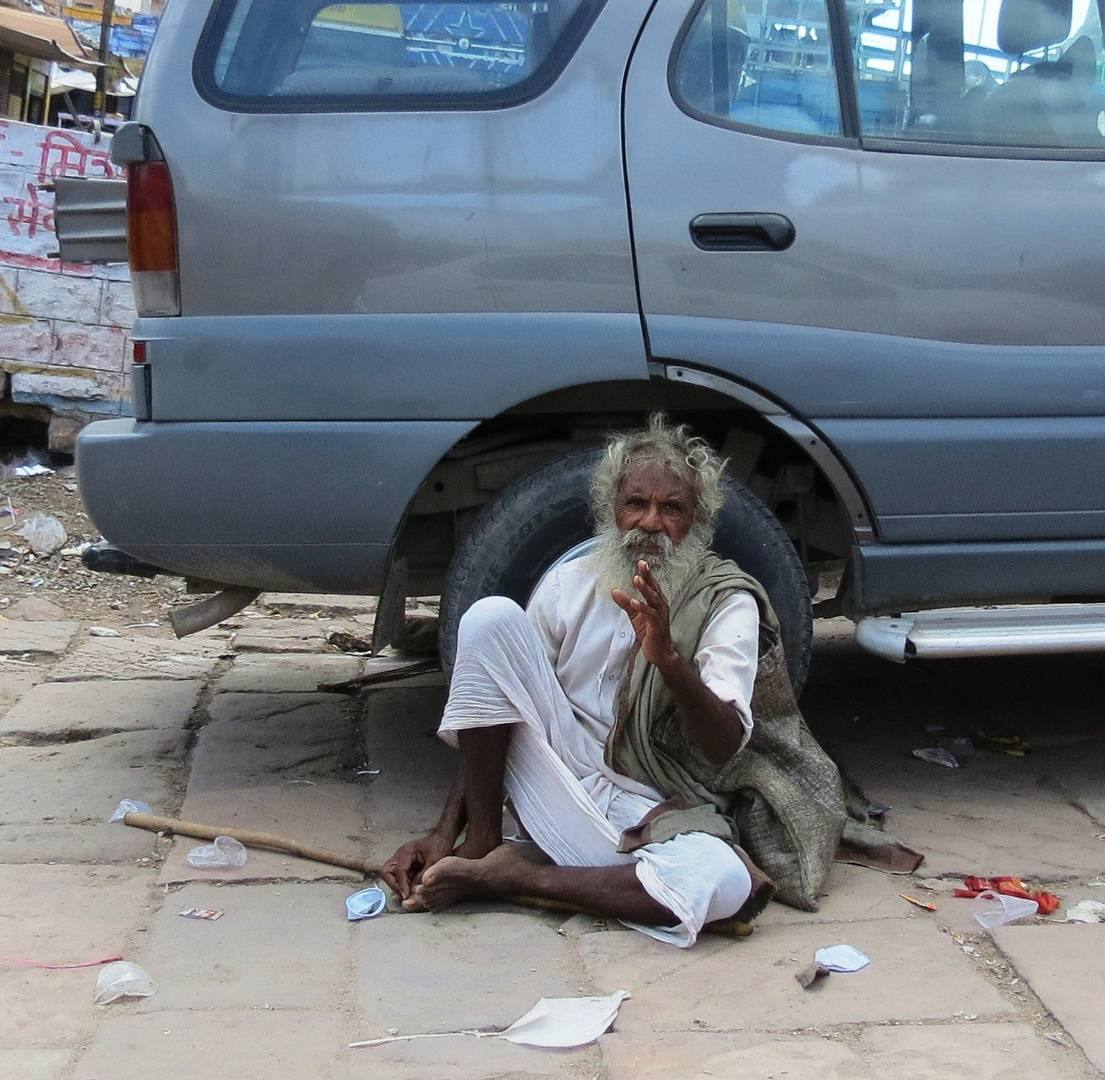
(1050, 102)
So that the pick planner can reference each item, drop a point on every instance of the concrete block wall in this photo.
(64, 329)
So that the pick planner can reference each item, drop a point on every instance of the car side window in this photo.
(989, 73)
(1018, 73)
(766, 63)
(309, 55)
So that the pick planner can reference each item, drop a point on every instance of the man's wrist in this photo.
(673, 667)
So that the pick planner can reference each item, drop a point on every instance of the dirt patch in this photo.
(99, 599)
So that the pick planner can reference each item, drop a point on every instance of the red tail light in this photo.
(151, 221)
(151, 238)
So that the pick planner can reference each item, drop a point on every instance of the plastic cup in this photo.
(123, 979)
(366, 904)
(996, 909)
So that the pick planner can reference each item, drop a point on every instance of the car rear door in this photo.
(892, 229)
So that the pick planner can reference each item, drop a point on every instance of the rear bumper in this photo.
(299, 506)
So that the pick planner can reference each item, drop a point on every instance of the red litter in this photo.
(1010, 886)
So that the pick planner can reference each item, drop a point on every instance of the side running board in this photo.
(990, 631)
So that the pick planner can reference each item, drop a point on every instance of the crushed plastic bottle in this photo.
(122, 979)
(224, 851)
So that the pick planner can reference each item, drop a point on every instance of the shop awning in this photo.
(70, 78)
(41, 36)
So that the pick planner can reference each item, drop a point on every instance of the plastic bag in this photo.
(225, 851)
(122, 979)
(130, 806)
(44, 534)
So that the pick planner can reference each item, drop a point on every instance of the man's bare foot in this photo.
(454, 879)
(476, 848)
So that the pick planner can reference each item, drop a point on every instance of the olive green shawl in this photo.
(780, 797)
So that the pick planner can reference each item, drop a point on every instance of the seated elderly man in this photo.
(609, 713)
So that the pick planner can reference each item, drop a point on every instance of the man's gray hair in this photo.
(677, 450)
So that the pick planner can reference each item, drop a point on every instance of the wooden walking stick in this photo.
(250, 838)
(271, 842)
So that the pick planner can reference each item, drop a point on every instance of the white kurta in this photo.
(554, 671)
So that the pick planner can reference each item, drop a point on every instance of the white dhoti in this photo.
(567, 800)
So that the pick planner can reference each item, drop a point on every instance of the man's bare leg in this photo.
(483, 767)
(613, 891)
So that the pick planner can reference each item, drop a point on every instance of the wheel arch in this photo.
(758, 429)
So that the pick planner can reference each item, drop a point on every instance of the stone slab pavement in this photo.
(230, 729)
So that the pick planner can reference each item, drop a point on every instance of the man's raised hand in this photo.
(649, 616)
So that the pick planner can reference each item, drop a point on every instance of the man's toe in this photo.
(416, 901)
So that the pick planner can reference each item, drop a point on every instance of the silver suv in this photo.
(400, 266)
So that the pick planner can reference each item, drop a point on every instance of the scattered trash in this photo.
(842, 958)
(224, 851)
(920, 903)
(812, 974)
(1096, 883)
(553, 1023)
(1013, 745)
(1086, 911)
(960, 748)
(136, 625)
(44, 534)
(103, 631)
(1009, 886)
(1055, 1037)
(123, 979)
(366, 904)
(994, 909)
(877, 810)
(208, 913)
(35, 469)
(130, 806)
(937, 755)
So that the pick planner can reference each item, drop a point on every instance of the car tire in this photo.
(537, 519)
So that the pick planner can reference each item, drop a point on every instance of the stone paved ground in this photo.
(229, 728)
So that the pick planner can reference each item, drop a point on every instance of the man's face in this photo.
(651, 503)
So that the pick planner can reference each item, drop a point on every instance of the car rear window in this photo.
(304, 55)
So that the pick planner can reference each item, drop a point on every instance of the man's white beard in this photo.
(615, 558)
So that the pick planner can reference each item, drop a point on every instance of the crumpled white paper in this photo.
(841, 958)
(563, 1023)
(553, 1023)
(1086, 911)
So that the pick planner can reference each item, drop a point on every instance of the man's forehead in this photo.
(653, 478)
